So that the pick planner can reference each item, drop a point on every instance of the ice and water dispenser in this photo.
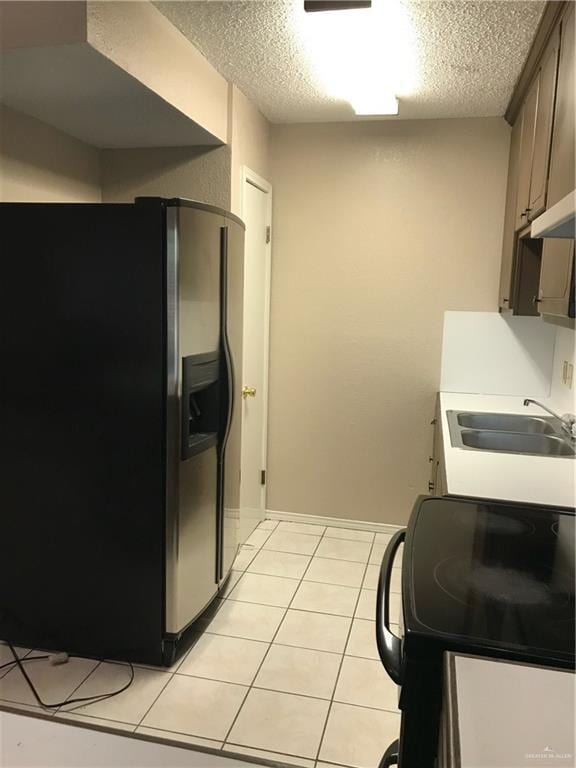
(200, 403)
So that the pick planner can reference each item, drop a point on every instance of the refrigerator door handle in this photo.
(228, 386)
(225, 344)
(389, 645)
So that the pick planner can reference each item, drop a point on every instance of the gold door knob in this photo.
(248, 392)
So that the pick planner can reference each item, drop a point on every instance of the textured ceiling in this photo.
(467, 54)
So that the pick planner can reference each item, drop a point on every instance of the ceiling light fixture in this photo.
(366, 57)
(375, 104)
(311, 6)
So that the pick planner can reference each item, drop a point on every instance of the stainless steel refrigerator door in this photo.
(193, 314)
(194, 553)
(233, 251)
(198, 281)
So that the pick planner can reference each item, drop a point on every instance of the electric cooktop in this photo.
(490, 574)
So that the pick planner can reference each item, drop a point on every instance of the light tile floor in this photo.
(285, 666)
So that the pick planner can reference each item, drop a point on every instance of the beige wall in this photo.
(378, 228)
(198, 173)
(39, 163)
(249, 133)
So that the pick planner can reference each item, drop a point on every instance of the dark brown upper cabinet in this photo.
(537, 276)
(528, 120)
(509, 238)
(561, 180)
(556, 291)
(543, 129)
(536, 137)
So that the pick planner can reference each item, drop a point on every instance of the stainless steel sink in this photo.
(509, 433)
(517, 442)
(507, 422)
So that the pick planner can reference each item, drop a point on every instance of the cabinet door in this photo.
(526, 149)
(509, 237)
(527, 264)
(543, 128)
(556, 277)
(437, 483)
(561, 180)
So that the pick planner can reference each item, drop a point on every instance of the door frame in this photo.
(248, 176)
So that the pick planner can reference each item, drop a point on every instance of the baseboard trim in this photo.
(334, 522)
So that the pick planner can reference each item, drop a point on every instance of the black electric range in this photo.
(484, 578)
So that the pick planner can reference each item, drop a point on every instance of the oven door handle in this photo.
(389, 646)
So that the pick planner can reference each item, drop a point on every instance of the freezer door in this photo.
(232, 320)
(193, 334)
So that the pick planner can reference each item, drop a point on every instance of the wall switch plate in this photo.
(567, 374)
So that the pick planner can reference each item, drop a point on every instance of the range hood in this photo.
(557, 221)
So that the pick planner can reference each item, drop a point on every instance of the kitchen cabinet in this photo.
(537, 276)
(437, 482)
(556, 292)
(509, 238)
(555, 295)
(526, 276)
(561, 180)
(536, 137)
(543, 128)
(528, 120)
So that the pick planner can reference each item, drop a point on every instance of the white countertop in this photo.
(511, 477)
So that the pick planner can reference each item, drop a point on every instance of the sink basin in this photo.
(509, 433)
(507, 422)
(516, 442)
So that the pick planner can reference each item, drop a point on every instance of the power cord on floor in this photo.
(28, 658)
(59, 660)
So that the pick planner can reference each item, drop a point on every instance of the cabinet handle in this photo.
(506, 300)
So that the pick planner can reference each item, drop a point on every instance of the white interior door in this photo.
(257, 212)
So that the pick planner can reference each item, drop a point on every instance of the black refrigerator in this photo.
(121, 351)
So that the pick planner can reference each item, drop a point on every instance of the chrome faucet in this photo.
(568, 420)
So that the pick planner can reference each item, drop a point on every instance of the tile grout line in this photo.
(340, 559)
(323, 734)
(225, 741)
(308, 581)
(179, 733)
(71, 694)
(7, 670)
(271, 752)
(311, 581)
(267, 688)
(145, 715)
(264, 530)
